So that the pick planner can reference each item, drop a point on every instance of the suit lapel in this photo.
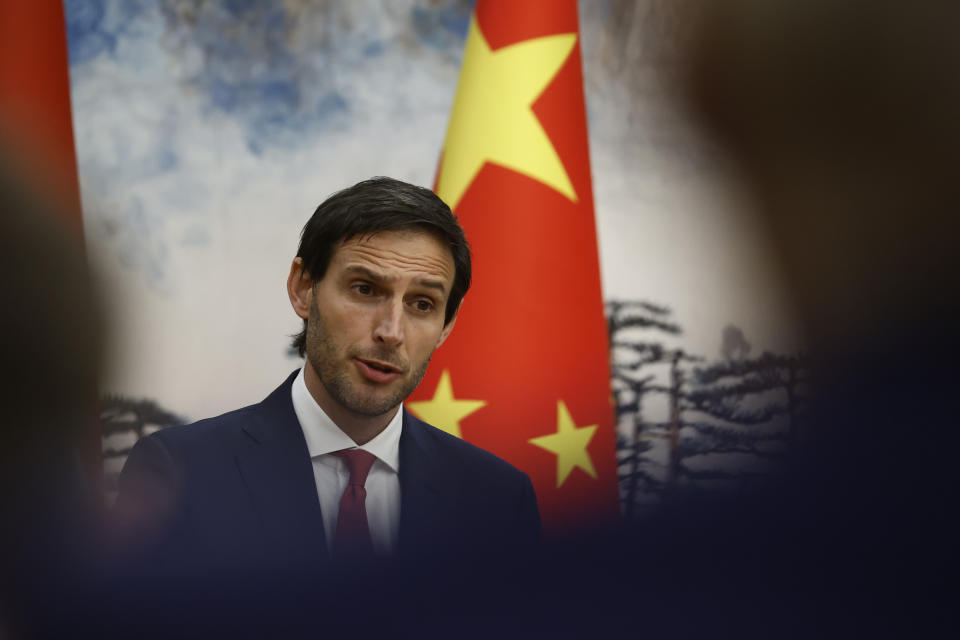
(428, 490)
(277, 471)
(275, 465)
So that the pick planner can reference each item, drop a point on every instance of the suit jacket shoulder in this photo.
(235, 489)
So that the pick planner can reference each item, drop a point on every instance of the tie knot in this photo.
(358, 462)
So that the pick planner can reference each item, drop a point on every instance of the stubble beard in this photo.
(332, 370)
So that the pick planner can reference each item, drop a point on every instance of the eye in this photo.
(423, 305)
(363, 288)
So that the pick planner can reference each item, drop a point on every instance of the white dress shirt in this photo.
(332, 475)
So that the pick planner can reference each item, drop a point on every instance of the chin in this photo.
(371, 411)
(372, 406)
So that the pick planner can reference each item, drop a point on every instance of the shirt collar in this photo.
(323, 436)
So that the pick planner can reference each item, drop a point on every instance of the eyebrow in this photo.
(432, 284)
(382, 279)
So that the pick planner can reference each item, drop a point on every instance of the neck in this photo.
(361, 428)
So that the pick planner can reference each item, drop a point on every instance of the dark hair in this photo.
(382, 204)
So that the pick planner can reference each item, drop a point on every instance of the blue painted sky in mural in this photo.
(442, 27)
(284, 90)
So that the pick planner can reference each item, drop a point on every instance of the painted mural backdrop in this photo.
(207, 131)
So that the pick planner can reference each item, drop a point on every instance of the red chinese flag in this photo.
(525, 373)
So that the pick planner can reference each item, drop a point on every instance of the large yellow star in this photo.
(569, 444)
(444, 411)
(492, 117)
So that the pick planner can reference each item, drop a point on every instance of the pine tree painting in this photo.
(727, 423)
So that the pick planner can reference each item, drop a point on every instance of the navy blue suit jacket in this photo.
(238, 490)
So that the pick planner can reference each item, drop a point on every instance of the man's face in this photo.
(376, 317)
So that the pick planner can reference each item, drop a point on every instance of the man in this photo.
(330, 466)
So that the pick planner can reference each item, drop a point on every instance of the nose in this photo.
(388, 329)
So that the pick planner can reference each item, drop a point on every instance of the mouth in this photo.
(379, 365)
(376, 370)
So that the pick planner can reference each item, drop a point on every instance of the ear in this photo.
(300, 288)
(447, 328)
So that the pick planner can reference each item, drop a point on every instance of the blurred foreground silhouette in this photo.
(48, 388)
(841, 116)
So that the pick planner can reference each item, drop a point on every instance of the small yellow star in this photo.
(569, 444)
(444, 411)
(492, 117)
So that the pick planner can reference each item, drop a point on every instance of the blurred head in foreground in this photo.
(843, 117)
(48, 385)
(48, 326)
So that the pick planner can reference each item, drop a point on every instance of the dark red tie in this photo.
(352, 539)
